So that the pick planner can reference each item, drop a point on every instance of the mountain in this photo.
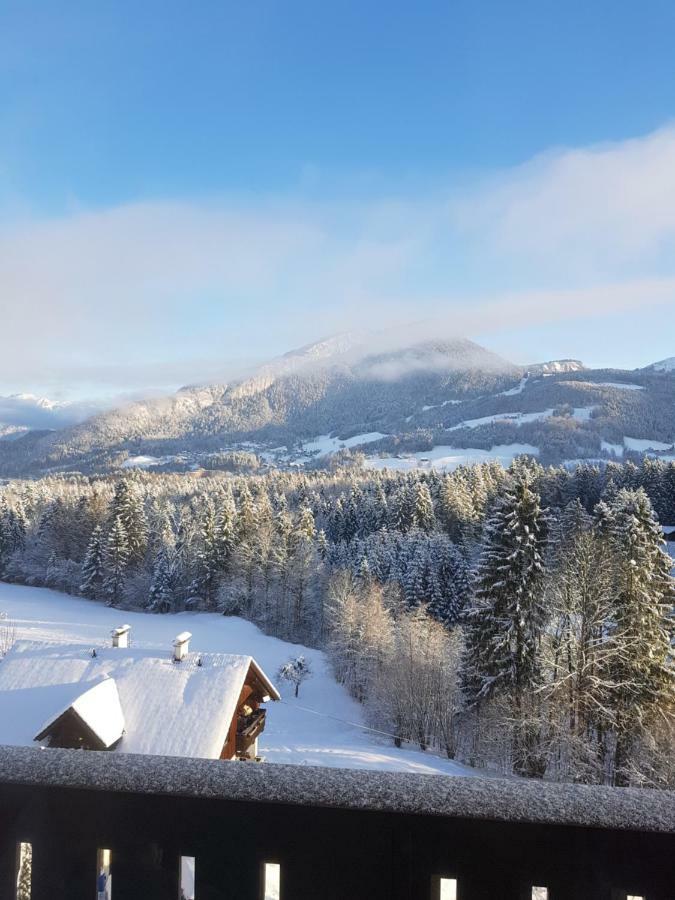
(25, 412)
(359, 392)
(557, 366)
(664, 365)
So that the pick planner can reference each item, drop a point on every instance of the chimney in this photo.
(181, 646)
(120, 636)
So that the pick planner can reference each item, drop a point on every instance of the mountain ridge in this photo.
(410, 397)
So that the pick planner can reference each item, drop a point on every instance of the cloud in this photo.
(601, 206)
(25, 411)
(163, 293)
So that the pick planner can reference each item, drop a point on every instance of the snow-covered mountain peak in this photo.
(557, 367)
(334, 345)
(35, 401)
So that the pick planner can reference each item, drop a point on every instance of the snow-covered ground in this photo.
(515, 390)
(448, 458)
(324, 443)
(622, 385)
(640, 445)
(439, 405)
(580, 413)
(643, 445)
(329, 735)
(515, 418)
(146, 462)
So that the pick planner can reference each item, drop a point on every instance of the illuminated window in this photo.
(448, 889)
(104, 875)
(539, 893)
(24, 868)
(187, 878)
(634, 897)
(272, 881)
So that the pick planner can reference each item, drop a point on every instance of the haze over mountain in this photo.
(360, 391)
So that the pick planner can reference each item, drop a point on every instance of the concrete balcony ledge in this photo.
(492, 799)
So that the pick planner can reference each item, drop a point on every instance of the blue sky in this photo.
(186, 188)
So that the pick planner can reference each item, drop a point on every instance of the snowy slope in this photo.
(447, 458)
(292, 734)
(664, 365)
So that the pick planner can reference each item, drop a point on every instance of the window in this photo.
(24, 868)
(187, 878)
(272, 881)
(540, 893)
(104, 875)
(448, 889)
(634, 897)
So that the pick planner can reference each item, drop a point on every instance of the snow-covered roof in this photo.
(169, 708)
(99, 708)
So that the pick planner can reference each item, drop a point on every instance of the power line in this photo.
(321, 715)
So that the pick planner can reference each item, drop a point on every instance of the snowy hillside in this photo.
(349, 393)
(664, 365)
(330, 736)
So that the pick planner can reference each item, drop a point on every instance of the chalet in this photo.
(132, 699)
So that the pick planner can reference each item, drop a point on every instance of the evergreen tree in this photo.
(161, 591)
(209, 557)
(506, 621)
(93, 566)
(225, 529)
(116, 560)
(424, 517)
(641, 669)
(127, 507)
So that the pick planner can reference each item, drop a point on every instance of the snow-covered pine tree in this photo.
(93, 566)
(505, 623)
(322, 545)
(414, 580)
(127, 507)
(116, 560)
(578, 594)
(450, 588)
(247, 518)
(208, 557)
(225, 528)
(424, 517)
(641, 668)
(161, 591)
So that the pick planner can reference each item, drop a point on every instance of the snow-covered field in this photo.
(449, 458)
(515, 418)
(621, 385)
(146, 462)
(643, 445)
(329, 735)
(324, 443)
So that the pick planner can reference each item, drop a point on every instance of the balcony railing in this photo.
(249, 729)
(250, 832)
